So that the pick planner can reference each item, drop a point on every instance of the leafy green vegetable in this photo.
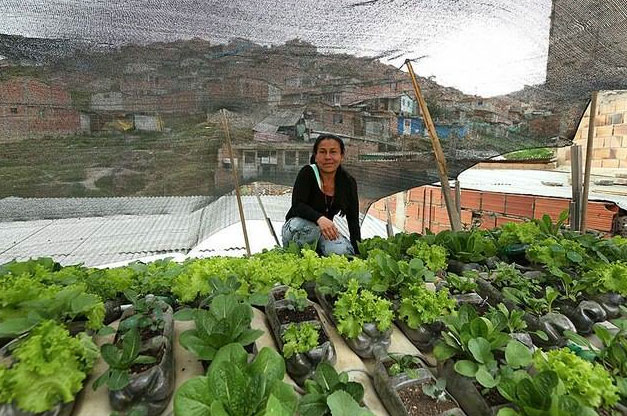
(50, 368)
(589, 383)
(519, 233)
(326, 383)
(297, 299)
(433, 255)
(461, 284)
(395, 246)
(407, 364)
(299, 338)
(606, 277)
(540, 395)
(234, 387)
(227, 321)
(356, 307)
(120, 361)
(503, 318)
(465, 246)
(422, 306)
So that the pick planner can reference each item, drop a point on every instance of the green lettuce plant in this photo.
(50, 367)
(235, 387)
(299, 338)
(589, 383)
(420, 305)
(356, 307)
(541, 394)
(297, 299)
(607, 277)
(433, 255)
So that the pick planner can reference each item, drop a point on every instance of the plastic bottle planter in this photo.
(423, 337)
(391, 388)
(459, 267)
(62, 409)
(583, 315)
(9, 409)
(552, 324)
(464, 390)
(610, 302)
(299, 366)
(150, 390)
(370, 343)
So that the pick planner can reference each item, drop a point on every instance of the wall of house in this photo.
(424, 209)
(609, 145)
(29, 107)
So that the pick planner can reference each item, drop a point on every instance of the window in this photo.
(303, 157)
(13, 110)
(338, 118)
(290, 158)
(249, 158)
(615, 119)
(267, 157)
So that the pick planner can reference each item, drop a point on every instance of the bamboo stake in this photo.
(225, 124)
(454, 218)
(586, 178)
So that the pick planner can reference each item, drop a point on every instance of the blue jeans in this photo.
(303, 231)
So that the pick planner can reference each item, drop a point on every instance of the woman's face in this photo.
(329, 155)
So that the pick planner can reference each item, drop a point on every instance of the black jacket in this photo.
(308, 201)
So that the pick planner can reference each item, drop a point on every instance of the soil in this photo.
(279, 294)
(417, 403)
(286, 315)
(491, 396)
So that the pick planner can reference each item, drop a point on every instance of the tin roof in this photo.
(93, 233)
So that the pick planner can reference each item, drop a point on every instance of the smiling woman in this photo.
(322, 190)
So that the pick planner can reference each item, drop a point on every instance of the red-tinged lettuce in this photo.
(589, 383)
(49, 369)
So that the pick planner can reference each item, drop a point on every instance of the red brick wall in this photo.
(425, 208)
(30, 107)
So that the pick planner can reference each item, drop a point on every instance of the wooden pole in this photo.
(225, 124)
(389, 227)
(454, 218)
(576, 181)
(589, 146)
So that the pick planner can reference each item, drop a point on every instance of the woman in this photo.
(322, 190)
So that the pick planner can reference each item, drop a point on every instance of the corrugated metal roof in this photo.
(530, 182)
(158, 226)
(282, 118)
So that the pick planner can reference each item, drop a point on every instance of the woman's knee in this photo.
(341, 246)
(301, 231)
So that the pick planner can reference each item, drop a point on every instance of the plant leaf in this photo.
(517, 354)
(342, 404)
(485, 378)
(481, 350)
(193, 398)
(466, 368)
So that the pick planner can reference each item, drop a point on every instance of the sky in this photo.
(484, 47)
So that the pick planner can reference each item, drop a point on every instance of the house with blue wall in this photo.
(415, 125)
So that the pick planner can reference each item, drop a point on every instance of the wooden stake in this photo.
(589, 145)
(389, 227)
(576, 181)
(225, 124)
(454, 218)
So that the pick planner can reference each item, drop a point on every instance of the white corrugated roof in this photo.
(530, 182)
(179, 227)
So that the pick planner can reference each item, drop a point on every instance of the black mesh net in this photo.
(126, 98)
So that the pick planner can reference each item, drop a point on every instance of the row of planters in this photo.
(450, 293)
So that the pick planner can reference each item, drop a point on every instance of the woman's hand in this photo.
(327, 228)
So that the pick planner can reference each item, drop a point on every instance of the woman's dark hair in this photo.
(320, 138)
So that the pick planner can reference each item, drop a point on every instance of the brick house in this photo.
(609, 145)
(29, 107)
